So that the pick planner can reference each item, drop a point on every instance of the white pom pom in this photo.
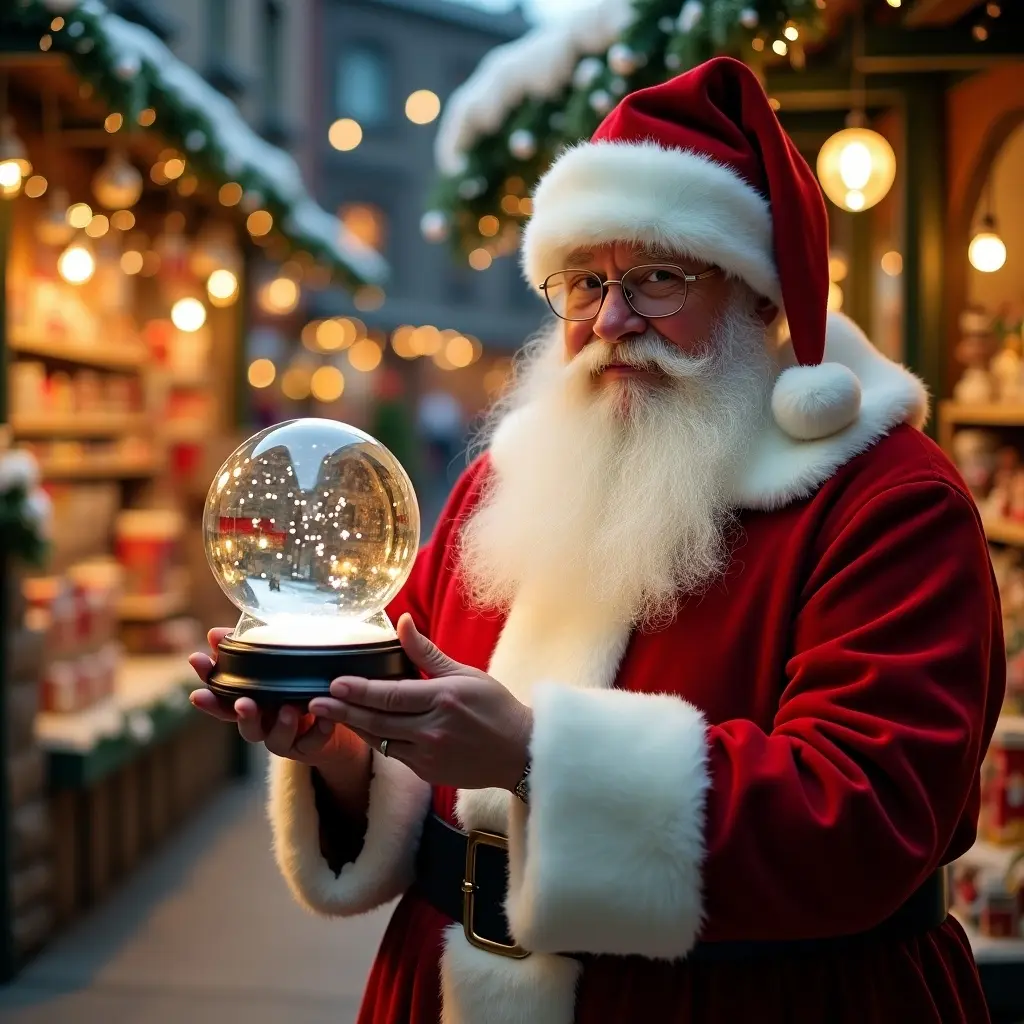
(522, 144)
(811, 402)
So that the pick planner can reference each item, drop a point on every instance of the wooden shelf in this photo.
(100, 469)
(103, 356)
(989, 415)
(1004, 531)
(80, 425)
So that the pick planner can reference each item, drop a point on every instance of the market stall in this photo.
(137, 210)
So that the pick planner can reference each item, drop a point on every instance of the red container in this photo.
(1005, 810)
(147, 541)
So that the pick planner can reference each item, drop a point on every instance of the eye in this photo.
(583, 282)
(662, 275)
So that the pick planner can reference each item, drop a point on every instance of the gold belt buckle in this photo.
(469, 887)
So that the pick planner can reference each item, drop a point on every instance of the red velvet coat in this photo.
(788, 760)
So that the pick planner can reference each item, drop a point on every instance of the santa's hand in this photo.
(459, 728)
(284, 731)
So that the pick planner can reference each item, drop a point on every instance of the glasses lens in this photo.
(574, 294)
(656, 290)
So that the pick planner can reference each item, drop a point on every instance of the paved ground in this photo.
(205, 933)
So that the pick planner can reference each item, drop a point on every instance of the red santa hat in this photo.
(701, 165)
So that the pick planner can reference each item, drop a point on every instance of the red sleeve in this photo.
(416, 597)
(869, 778)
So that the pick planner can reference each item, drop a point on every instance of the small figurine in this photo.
(974, 452)
(976, 386)
(1007, 370)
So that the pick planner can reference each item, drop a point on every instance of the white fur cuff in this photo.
(608, 857)
(399, 801)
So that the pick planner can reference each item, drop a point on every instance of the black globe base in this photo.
(274, 676)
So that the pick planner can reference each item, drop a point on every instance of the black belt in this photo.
(465, 877)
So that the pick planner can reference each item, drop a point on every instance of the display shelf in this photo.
(1004, 531)
(77, 424)
(152, 607)
(185, 431)
(101, 356)
(982, 415)
(93, 468)
(150, 704)
(1009, 723)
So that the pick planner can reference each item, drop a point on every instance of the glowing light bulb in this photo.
(987, 252)
(76, 264)
(856, 168)
(222, 287)
(188, 314)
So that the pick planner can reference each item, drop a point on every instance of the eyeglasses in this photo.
(652, 291)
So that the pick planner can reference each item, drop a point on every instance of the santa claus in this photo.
(715, 646)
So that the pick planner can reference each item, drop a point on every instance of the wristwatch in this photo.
(522, 789)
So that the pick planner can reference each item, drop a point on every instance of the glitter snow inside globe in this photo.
(311, 528)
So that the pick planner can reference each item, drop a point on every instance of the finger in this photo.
(211, 704)
(376, 723)
(280, 739)
(399, 750)
(250, 720)
(202, 665)
(314, 740)
(400, 696)
(214, 637)
(425, 654)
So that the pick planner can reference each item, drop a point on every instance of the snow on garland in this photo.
(531, 98)
(132, 69)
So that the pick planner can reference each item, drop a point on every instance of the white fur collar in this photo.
(781, 468)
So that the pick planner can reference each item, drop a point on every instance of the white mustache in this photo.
(648, 352)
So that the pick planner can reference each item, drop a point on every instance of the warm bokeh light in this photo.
(230, 194)
(345, 134)
(222, 287)
(262, 373)
(327, 384)
(480, 259)
(79, 215)
(892, 263)
(426, 340)
(335, 334)
(174, 168)
(188, 314)
(295, 383)
(131, 261)
(489, 224)
(459, 351)
(279, 296)
(259, 223)
(147, 117)
(122, 220)
(113, 122)
(76, 263)
(401, 342)
(98, 226)
(835, 298)
(838, 267)
(35, 186)
(150, 263)
(365, 355)
(422, 106)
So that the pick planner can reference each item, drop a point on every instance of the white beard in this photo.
(619, 496)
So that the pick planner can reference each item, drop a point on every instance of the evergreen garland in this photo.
(132, 70)
(664, 38)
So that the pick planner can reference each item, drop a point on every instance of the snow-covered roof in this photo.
(133, 69)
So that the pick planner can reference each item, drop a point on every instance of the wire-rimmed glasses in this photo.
(653, 290)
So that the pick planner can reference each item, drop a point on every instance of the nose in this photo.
(616, 320)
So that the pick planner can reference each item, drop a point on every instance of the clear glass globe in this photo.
(311, 527)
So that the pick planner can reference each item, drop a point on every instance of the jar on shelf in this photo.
(147, 543)
(1004, 786)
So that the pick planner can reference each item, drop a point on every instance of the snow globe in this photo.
(310, 527)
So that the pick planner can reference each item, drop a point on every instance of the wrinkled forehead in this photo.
(631, 252)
